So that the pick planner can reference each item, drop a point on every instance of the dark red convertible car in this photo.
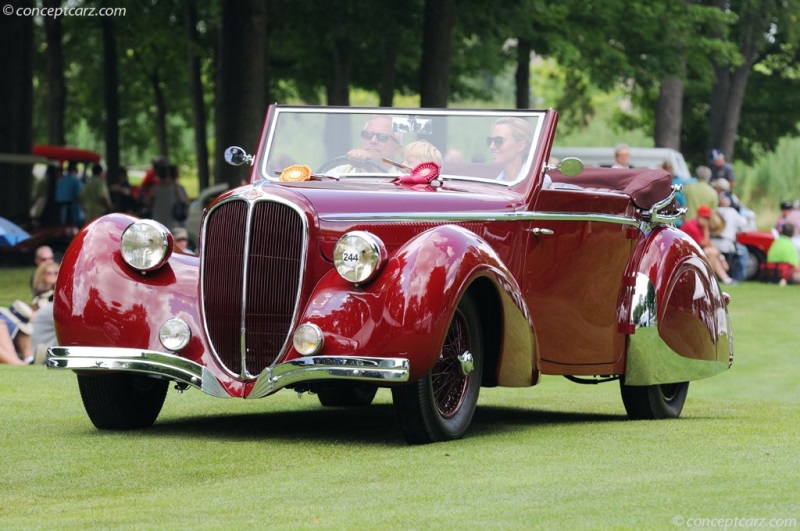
(358, 257)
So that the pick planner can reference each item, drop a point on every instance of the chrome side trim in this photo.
(378, 370)
(650, 360)
(271, 379)
(454, 217)
(134, 360)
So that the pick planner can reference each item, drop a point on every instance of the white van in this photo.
(640, 157)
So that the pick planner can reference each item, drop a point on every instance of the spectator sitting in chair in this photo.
(783, 251)
(698, 229)
(735, 253)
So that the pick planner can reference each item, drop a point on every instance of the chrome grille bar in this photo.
(253, 260)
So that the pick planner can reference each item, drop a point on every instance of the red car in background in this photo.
(758, 244)
(43, 223)
(336, 275)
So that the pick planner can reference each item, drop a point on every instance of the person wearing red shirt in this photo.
(698, 229)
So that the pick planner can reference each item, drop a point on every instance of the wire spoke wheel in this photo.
(447, 379)
(440, 405)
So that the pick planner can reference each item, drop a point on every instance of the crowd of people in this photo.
(715, 216)
(27, 329)
(79, 199)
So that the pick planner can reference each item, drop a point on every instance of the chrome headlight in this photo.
(174, 334)
(358, 256)
(307, 339)
(146, 245)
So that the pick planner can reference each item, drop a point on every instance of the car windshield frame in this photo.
(287, 140)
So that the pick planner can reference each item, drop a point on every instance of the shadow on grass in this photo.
(376, 424)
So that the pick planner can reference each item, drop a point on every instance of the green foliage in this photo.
(774, 178)
(533, 458)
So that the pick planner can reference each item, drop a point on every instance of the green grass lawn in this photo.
(558, 455)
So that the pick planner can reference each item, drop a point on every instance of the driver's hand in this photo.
(358, 154)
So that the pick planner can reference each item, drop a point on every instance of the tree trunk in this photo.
(242, 85)
(111, 99)
(754, 21)
(669, 113)
(388, 74)
(395, 11)
(196, 94)
(436, 45)
(16, 110)
(161, 113)
(338, 90)
(719, 105)
(56, 90)
(523, 74)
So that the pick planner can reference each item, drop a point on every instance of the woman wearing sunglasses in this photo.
(509, 143)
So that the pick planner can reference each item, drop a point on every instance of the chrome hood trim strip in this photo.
(481, 216)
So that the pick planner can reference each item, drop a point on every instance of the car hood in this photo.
(340, 199)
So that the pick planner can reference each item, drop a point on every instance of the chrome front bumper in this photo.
(271, 379)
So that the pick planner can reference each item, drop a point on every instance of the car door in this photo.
(578, 246)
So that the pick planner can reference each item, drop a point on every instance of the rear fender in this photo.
(679, 316)
(407, 309)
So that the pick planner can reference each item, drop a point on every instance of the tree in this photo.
(436, 45)
(56, 90)
(756, 23)
(16, 108)
(196, 92)
(242, 84)
(111, 99)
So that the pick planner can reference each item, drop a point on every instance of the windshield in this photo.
(374, 143)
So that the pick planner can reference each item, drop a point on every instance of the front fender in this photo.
(100, 301)
(407, 309)
(680, 319)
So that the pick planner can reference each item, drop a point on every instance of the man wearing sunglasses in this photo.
(378, 141)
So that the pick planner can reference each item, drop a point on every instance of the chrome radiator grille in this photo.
(250, 288)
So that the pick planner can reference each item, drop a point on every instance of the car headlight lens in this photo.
(358, 256)
(174, 334)
(146, 245)
(307, 339)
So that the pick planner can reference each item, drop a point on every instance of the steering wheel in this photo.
(339, 161)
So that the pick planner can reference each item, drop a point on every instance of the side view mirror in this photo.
(570, 166)
(236, 156)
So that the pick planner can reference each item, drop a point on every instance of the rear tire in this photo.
(122, 401)
(754, 260)
(346, 395)
(439, 406)
(652, 402)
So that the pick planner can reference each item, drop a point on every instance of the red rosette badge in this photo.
(424, 173)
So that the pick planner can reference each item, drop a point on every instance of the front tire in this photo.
(122, 401)
(439, 406)
(653, 402)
